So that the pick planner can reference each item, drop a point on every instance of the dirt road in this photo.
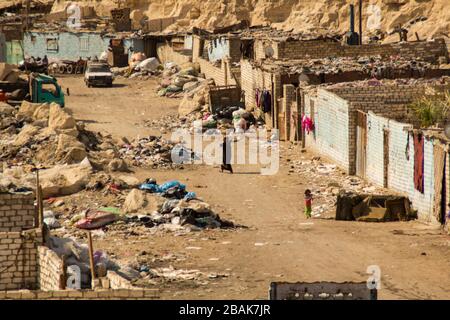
(279, 244)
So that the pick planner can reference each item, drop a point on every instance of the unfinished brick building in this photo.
(31, 270)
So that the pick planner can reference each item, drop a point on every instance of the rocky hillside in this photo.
(429, 18)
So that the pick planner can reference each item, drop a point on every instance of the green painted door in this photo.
(14, 51)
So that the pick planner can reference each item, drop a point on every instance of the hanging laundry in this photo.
(307, 124)
(257, 97)
(418, 162)
(267, 103)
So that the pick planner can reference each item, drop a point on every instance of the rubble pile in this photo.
(45, 135)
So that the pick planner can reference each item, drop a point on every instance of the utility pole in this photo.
(360, 22)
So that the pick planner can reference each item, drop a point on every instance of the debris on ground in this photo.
(151, 151)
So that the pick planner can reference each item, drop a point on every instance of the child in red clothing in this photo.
(308, 202)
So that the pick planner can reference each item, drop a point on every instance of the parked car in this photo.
(98, 73)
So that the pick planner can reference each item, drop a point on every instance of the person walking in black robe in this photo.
(226, 155)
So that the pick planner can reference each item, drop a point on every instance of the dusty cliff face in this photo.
(297, 15)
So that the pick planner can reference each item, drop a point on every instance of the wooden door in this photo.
(361, 144)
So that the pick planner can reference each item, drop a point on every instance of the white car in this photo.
(98, 74)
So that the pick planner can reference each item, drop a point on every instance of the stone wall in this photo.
(19, 259)
(17, 211)
(51, 270)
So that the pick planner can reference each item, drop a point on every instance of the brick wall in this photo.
(19, 259)
(390, 101)
(401, 167)
(101, 294)
(253, 78)
(375, 148)
(17, 211)
(428, 50)
(331, 127)
(166, 53)
(222, 75)
(51, 270)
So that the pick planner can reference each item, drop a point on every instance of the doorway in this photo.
(361, 143)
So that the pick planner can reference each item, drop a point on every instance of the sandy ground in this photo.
(279, 244)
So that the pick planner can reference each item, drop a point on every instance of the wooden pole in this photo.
(91, 255)
(41, 207)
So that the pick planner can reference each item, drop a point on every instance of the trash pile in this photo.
(151, 151)
(178, 79)
(147, 206)
(171, 207)
(167, 124)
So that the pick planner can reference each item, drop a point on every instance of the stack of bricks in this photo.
(17, 211)
(19, 259)
(51, 270)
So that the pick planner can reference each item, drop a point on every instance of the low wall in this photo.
(51, 270)
(101, 294)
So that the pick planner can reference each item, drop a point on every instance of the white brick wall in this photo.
(401, 169)
(375, 148)
(331, 123)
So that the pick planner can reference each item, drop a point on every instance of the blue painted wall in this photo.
(71, 46)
